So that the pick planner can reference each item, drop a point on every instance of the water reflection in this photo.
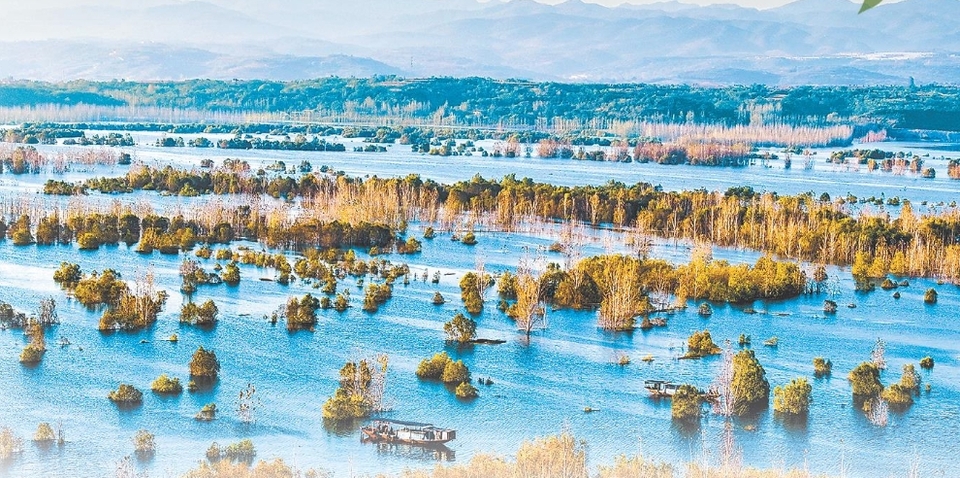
(437, 453)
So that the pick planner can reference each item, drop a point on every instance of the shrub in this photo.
(438, 299)
(888, 284)
(31, 354)
(204, 364)
(341, 302)
(930, 297)
(204, 315)
(751, 389)
(344, 405)
(126, 394)
(822, 367)
(926, 363)
(231, 273)
(10, 444)
(360, 391)
(910, 379)
(429, 233)
(897, 395)
(466, 391)
(166, 385)
(470, 292)
(829, 307)
(133, 312)
(375, 296)
(143, 443)
(213, 453)
(301, 313)
(96, 289)
(865, 381)
(685, 404)
(44, 433)
(700, 344)
(460, 329)
(432, 368)
(207, 413)
(455, 372)
(68, 275)
(793, 398)
(705, 310)
(242, 450)
(469, 239)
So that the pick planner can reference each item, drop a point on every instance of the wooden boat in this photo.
(408, 433)
(661, 388)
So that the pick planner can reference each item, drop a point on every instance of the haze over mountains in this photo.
(805, 42)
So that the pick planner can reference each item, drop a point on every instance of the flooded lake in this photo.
(539, 387)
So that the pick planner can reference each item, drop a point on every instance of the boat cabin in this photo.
(411, 433)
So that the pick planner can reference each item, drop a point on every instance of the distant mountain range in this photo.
(805, 42)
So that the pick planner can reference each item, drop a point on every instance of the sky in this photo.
(744, 3)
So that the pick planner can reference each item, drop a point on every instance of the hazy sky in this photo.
(745, 3)
(761, 4)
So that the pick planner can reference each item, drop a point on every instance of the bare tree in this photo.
(247, 404)
(528, 311)
(878, 412)
(723, 384)
(621, 296)
(878, 355)
(378, 382)
(47, 312)
(482, 280)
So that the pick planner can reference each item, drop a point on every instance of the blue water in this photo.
(540, 387)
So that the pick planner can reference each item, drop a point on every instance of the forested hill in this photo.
(487, 102)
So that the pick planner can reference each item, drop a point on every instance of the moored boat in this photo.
(661, 388)
(408, 433)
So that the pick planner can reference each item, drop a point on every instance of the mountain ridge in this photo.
(569, 41)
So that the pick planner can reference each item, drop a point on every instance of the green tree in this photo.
(165, 385)
(700, 344)
(126, 394)
(793, 398)
(751, 389)
(865, 381)
(466, 391)
(301, 313)
(822, 367)
(204, 364)
(68, 275)
(460, 329)
(432, 368)
(231, 273)
(455, 372)
(686, 403)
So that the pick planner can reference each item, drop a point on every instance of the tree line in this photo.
(473, 101)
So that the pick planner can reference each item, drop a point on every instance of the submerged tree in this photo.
(528, 310)
(204, 364)
(361, 390)
(793, 398)
(865, 381)
(751, 389)
(248, 402)
(460, 328)
(621, 296)
(878, 355)
(685, 403)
